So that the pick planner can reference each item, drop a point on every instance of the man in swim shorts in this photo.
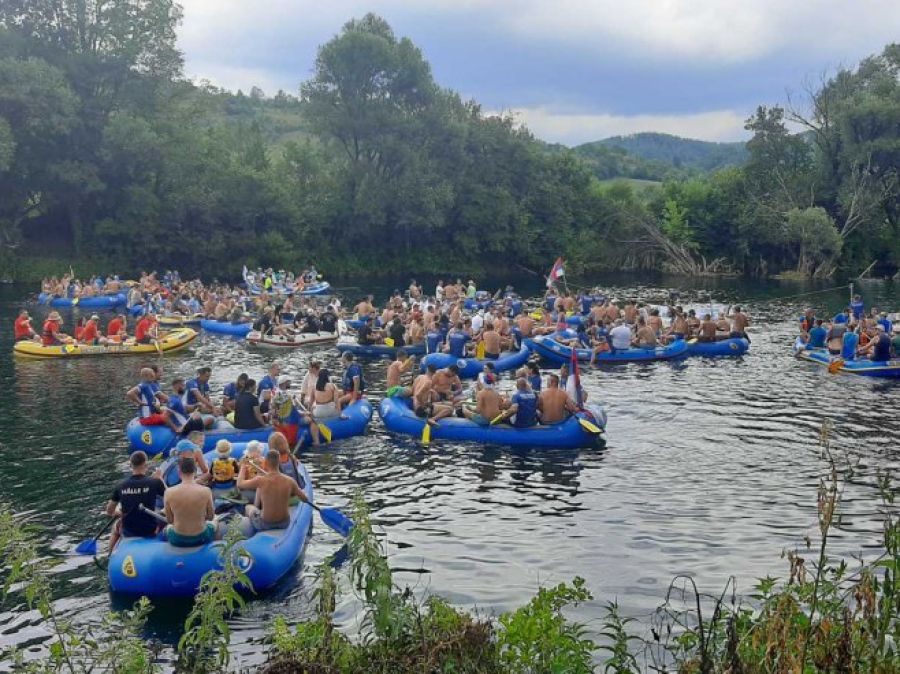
(273, 494)
(189, 509)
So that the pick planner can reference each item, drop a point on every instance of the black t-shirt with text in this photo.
(133, 492)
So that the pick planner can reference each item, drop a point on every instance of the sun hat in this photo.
(223, 448)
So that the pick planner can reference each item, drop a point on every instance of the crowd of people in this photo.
(852, 333)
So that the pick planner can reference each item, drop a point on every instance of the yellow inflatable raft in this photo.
(176, 340)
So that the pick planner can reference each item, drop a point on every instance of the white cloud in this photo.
(576, 128)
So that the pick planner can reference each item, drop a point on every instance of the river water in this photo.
(710, 469)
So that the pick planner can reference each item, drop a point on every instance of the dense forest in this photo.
(110, 159)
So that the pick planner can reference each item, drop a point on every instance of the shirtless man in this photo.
(739, 323)
(646, 338)
(396, 370)
(491, 340)
(422, 398)
(488, 403)
(554, 403)
(274, 489)
(525, 323)
(445, 384)
(655, 322)
(189, 509)
(631, 313)
(364, 308)
(707, 329)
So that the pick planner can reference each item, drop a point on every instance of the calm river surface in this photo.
(711, 470)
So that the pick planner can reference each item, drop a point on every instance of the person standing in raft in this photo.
(22, 327)
(274, 490)
(136, 490)
(189, 509)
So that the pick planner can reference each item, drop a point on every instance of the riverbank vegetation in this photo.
(110, 158)
(831, 614)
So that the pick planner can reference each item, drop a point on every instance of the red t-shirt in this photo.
(143, 328)
(115, 325)
(51, 330)
(22, 328)
(90, 332)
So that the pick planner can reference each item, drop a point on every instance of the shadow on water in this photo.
(710, 469)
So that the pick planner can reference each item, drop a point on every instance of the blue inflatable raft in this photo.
(154, 568)
(379, 350)
(733, 346)
(470, 368)
(160, 439)
(321, 288)
(399, 417)
(863, 367)
(357, 323)
(99, 302)
(226, 327)
(550, 349)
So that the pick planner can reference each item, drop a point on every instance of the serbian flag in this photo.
(557, 272)
(576, 377)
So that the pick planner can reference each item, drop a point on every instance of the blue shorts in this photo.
(480, 420)
(180, 541)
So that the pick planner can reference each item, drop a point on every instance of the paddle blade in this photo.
(336, 520)
(588, 426)
(835, 366)
(87, 547)
(426, 434)
(75, 301)
(497, 419)
(325, 432)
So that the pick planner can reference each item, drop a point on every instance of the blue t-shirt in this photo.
(534, 381)
(266, 384)
(457, 340)
(817, 337)
(230, 391)
(840, 318)
(353, 371)
(176, 404)
(584, 338)
(195, 385)
(857, 307)
(526, 413)
(586, 303)
(147, 396)
(888, 326)
(848, 345)
(433, 340)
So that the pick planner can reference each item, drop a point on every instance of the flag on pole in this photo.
(557, 272)
(576, 377)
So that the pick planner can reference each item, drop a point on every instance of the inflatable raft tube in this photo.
(281, 342)
(160, 439)
(152, 567)
(470, 368)
(176, 340)
(226, 327)
(399, 417)
(100, 302)
(733, 346)
(550, 349)
(379, 350)
(863, 367)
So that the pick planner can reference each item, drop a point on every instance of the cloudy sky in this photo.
(574, 70)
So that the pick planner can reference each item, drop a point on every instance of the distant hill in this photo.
(681, 153)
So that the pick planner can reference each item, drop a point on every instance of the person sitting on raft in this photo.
(646, 338)
(232, 390)
(395, 372)
(879, 347)
(189, 509)
(134, 491)
(247, 413)
(197, 392)
(116, 331)
(146, 329)
(521, 409)
(91, 335)
(424, 405)
(446, 385)
(367, 334)
(148, 398)
(274, 490)
(22, 327)
(52, 336)
(224, 469)
(286, 415)
(457, 339)
(554, 404)
(818, 335)
(488, 403)
(353, 383)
